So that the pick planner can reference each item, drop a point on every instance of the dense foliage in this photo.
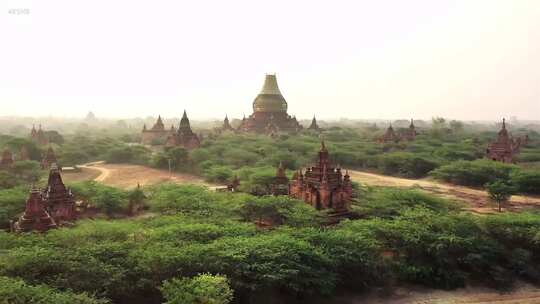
(15, 291)
(202, 289)
(197, 238)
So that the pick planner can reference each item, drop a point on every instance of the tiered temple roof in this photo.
(157, 134)
(35, 217)
(280, 186)
(184, 137)
(227, 125)
(38, 136)
(322, 185)
(7, 159)
(504, 148)
(60, 201)
(270, 111)
(48, 159)
(391, 136)
(314, 126)
(49, 208)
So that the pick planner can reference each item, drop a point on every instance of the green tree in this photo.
(202, 289)
(136, 199)
(500, 192)
(110, 200)
(15, 291)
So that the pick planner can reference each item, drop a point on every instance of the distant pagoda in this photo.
(39, 136)
(184, 136)
(226, 125)
(48, 159)
(6, 159)
(391, 136)
(504, 148)
(270, 111)
(280, 185)
(157, 134)
(314, 126)
(410, 133)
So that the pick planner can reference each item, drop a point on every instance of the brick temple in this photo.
(322, 186)
(391, 136)
(157, 135)
(6, 160)
(184, 136)
(314, 126)
(49, 208)
(38, 136)
(48, 159)
(270, 111)
(280, 185)
(505, 147)
(226, 127)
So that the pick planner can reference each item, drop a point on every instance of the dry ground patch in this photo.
(477, 199)
(127, 176)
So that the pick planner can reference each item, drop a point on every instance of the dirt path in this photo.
(478, 199)
(523, 295)
(127, 176)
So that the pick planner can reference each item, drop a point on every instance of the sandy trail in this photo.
(128, 176)
(523, 295)
(478, 199)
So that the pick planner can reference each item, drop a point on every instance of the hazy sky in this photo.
(358, 59)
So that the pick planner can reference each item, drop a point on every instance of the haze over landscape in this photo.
(472, 60)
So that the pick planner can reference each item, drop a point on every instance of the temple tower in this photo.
(48, 159)
(280, 186)
(226, 125)
(35, 217)
(270, 104)
(60, 202)
(184, 136)
(389, 136)
(7, 159)
(157, 135)
(322, 186)
(314, 126)
(503, 149)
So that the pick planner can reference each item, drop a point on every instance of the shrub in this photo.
(15, 291)
(526, 181)
(474, 173)
(202, 289)
(405, 164)
(12, 203)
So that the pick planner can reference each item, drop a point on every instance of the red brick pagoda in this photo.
(48, 159)
(24, 154)
(157, 134)
(7, 159)
(504, 148)
(227, 125)
(314, 126)
(38, 136)
(59, 201)
(270, 111)
(323, 186)
(410, 133)
(184, 137)
(35, 217)
(391, 136)
(280, 186)
(49, 208)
